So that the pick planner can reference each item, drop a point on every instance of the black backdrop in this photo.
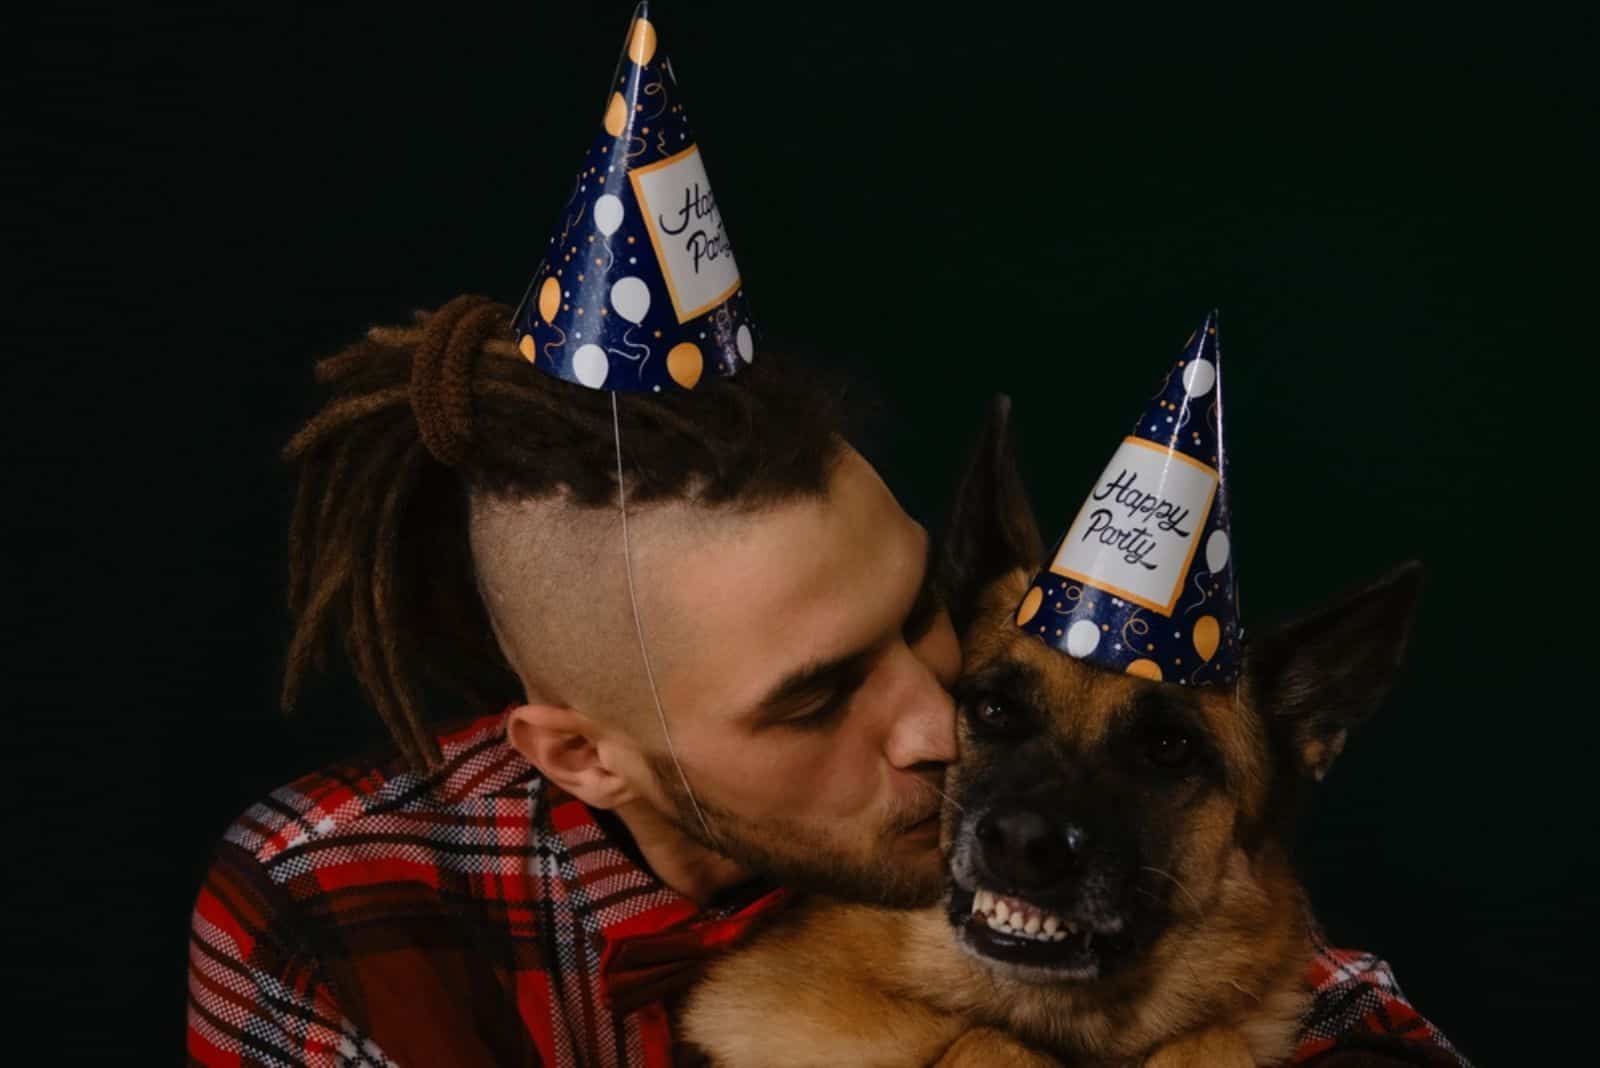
(1043, 201)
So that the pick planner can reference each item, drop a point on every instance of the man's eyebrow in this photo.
(812, 681)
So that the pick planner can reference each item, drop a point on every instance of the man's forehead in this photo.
(803, 588)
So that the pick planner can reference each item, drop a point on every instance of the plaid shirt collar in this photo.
(653, 942)
(661, 942)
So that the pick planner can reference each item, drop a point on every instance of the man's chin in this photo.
(901, 873)
(906, 873)
(899, 869)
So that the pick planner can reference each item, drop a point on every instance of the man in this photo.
(792, 636)
(694, 655)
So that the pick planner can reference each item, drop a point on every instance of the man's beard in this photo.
(796, 856)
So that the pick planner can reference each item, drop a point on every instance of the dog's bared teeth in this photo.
(1021, 919)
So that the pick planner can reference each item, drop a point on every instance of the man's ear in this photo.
(564, 745)
(1314, 679)
(992, 529)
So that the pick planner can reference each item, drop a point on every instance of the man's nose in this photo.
(924, 730)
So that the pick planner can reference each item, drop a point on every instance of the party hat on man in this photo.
(638, 290)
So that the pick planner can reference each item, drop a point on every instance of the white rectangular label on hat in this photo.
(1136, 534)
(685, 227)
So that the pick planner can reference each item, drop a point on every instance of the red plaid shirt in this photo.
(367, 916)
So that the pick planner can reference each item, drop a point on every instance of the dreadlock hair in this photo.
(423, 417)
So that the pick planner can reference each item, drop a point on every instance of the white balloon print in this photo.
(608, 214)
(1217, 550)
(1082, 638)
(747, 346)
(631, 297)
(1199, 377)
(589, 363)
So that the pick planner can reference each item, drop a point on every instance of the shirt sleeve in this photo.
(256, 994)
(1357, 1007)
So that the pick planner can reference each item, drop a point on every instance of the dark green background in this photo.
(1043, 201)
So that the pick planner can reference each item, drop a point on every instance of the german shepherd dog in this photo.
(1120, 890)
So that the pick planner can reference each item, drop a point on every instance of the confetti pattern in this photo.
(638, 291)
(1143, 581)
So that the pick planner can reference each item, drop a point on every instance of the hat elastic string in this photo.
(638, 626)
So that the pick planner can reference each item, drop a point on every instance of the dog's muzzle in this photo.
(1038, 893)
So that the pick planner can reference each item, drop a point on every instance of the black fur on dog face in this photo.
(1078, 804)
(1092, 814)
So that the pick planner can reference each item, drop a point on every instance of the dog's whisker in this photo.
(1199, 906)
(958, 806)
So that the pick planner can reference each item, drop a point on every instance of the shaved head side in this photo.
(552, 577)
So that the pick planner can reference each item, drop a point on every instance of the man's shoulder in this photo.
(1358, 1007)
(375, 819)
(345, 900)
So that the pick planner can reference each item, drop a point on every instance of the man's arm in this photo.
(256, 994)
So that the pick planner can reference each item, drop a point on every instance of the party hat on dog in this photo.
(1143, 580)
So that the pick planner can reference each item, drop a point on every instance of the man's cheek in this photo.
(784, 774)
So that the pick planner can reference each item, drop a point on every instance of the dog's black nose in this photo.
(1026, 851)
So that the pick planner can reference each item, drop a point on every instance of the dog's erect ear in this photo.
(992, 529)
(1314, 679)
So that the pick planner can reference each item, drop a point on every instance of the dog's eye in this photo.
(992, 713)
(1168, 749)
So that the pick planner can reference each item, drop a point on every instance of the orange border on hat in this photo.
(661, 259)
(1178, 592)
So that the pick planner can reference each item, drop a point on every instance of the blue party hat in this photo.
(1143, 580)
(638, 291)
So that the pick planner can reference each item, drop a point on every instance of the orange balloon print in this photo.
(528, 348)
(549, 300)
(1145, 669)
(642, 45)
(1207, 635)
(1030, 606)
(616, 115)
(684, 364)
